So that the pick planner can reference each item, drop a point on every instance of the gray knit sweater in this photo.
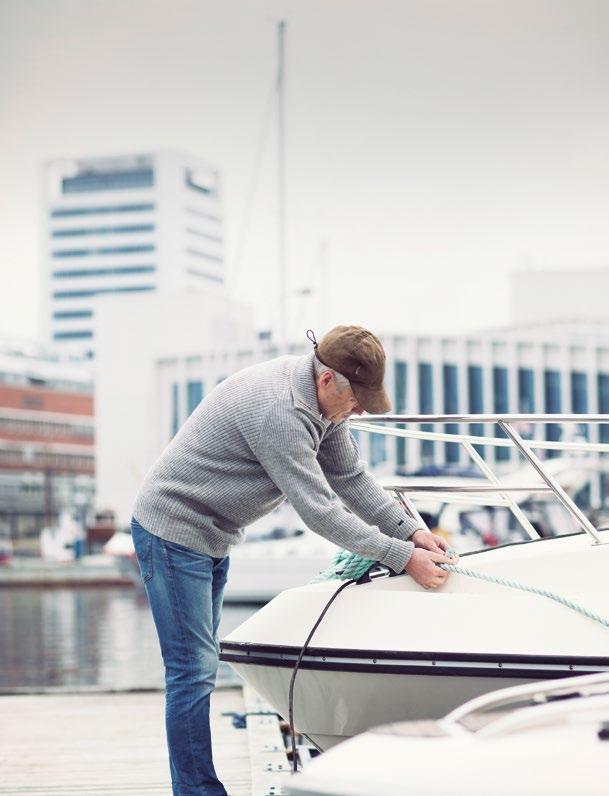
(259, 437)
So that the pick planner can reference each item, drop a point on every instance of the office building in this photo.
(124, 225)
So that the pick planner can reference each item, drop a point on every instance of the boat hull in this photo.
(363, 704)
(389, 651)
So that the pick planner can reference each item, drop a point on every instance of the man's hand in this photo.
(429, 541)
(422, 567)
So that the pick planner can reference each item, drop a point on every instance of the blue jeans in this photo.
(185, 590)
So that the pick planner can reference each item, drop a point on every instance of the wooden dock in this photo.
(107, 744)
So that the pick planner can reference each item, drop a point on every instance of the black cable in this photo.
(295, 671)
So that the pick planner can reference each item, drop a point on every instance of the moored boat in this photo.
(387, 650)
(550, 737)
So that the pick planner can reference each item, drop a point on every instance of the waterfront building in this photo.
(554, 368)
(47, 455)
(124, 225)
(542, 368)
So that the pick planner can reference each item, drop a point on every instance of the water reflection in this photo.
(85, 637)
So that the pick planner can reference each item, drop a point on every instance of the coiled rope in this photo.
(345, 566)
(350, 566)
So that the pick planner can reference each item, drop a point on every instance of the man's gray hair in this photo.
(342, 382)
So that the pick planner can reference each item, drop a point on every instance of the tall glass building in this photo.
(121, 225)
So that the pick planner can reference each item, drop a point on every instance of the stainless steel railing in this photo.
(378, 424)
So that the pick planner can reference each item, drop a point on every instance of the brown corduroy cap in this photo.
(358, 355)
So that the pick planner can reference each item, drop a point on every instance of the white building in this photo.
(550, 370)
(124, 225)
(150, 373)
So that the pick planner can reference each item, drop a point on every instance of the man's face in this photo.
(336, 403)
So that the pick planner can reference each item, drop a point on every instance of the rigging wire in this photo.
(261, 144)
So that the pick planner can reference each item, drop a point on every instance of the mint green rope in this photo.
(345, 566)
(350, 566)
(512, 584)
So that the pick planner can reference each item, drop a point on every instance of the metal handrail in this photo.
(498, 442)
(486, 418)
(505, 423)
(465, 488)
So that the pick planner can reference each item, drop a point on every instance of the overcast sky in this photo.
(436, 146)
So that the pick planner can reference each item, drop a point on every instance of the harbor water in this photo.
(86, 637)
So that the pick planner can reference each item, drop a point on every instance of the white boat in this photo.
(279, 552)
(388, 650)
(546, 738)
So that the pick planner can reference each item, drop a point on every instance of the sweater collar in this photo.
(304, 391)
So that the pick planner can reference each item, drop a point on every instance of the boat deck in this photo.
(105, 744)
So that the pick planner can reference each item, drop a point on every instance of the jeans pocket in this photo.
(142, 541)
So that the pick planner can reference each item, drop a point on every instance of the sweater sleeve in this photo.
(349, 477)
(286, 450)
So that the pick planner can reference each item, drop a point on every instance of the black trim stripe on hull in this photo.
(414, 663)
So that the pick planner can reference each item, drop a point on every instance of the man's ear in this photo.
(326, 378)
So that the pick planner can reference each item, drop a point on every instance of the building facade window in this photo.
(526, 391)
(103, 250)
(69, 294)
(120, 269)
(195, 183)
(401, 391)
(205, 255)
(66, 212)
(199, 234)
(108, 181)
(77, 233)
(175, 408)
(43, 428)
(475, 392)
(195, 211)
(450, 384)
(211, 277)
(552, 405)
(75, 335)
(194, 395)
(579, 399)
(603, 405)
(378, 450)
(426, 408)
(69, 314)
(500, 407)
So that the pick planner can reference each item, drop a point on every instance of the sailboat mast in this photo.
(283, 342)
